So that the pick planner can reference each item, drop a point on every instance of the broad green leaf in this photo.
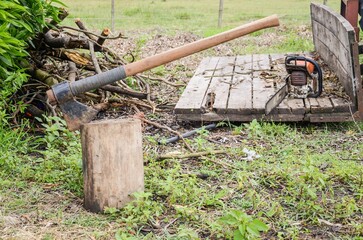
(242, 229)
(252, 231)
(238, 236)
(229, 219)
(259, 225)
(6, 59)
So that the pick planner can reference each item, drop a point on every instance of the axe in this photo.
(76, 113)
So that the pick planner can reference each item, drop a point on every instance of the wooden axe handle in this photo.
(64, 92)
(197, 46)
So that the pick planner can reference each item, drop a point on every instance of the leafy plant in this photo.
(246, 227)
(20, 21)
(254, 129)
(56, 132)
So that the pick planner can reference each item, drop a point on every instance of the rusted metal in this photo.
(349, 9)
(359, 84)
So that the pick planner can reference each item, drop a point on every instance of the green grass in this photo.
(308, 181)
(195, 16)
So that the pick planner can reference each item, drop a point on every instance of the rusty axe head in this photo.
(74, 112)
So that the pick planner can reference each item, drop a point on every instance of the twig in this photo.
(72, 71)
(115, 55)
(191, 155)
(148, 93)
(123, 91)
(168, 129)
(104, 35)
(200, 154)
(92, 95)
(94, 58)
(51, 107)
(170, 223)
(98, 42)
(125, 101)
(94, 34)
(352, 159)
(164, 81)
(81, 26)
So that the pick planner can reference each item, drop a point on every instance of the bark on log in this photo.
(42, 76)
(100, 40)
(55, 39)
(112, 162)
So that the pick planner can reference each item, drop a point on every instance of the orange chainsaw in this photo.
(304, 80)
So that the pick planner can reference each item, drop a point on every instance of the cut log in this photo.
(112, 163)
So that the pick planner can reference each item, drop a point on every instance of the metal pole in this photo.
(220, 13)
(112, 15)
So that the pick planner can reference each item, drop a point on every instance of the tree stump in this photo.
(112, 162)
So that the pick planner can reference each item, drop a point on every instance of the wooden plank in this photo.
(113, 170)
(332, 20)
(193, 95)
(260, 95)
(261, 89)
(332, 117)
(219, 86)
(282, 108)
(225, 67)
(341, 105)
(306, 105)
(212, 116)
(261, 62)
(240, 93)
(293, 106)
(334, 38)
(345, 75)
(313, 103)
(325, 105)
(341, 50)
(243, 65)
(320, 105)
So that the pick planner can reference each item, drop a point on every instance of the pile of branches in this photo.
(65, 53)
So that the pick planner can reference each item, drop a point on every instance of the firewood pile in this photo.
(66, 53)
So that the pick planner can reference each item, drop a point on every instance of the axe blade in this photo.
(76, 114)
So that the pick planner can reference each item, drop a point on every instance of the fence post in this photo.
(220, 13)
(112, 15)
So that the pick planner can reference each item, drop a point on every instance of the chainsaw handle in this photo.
(316, 68)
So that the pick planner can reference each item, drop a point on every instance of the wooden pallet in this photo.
(237, 89)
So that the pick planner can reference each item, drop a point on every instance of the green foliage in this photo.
(142, 210)
(53, 158)
(246, 227)
(12, 141)
(56, 133)
(20, 21)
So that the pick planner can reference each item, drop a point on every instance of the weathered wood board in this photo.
(334, 38)
(237, 89)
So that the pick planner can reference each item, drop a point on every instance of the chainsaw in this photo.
(304, 80)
